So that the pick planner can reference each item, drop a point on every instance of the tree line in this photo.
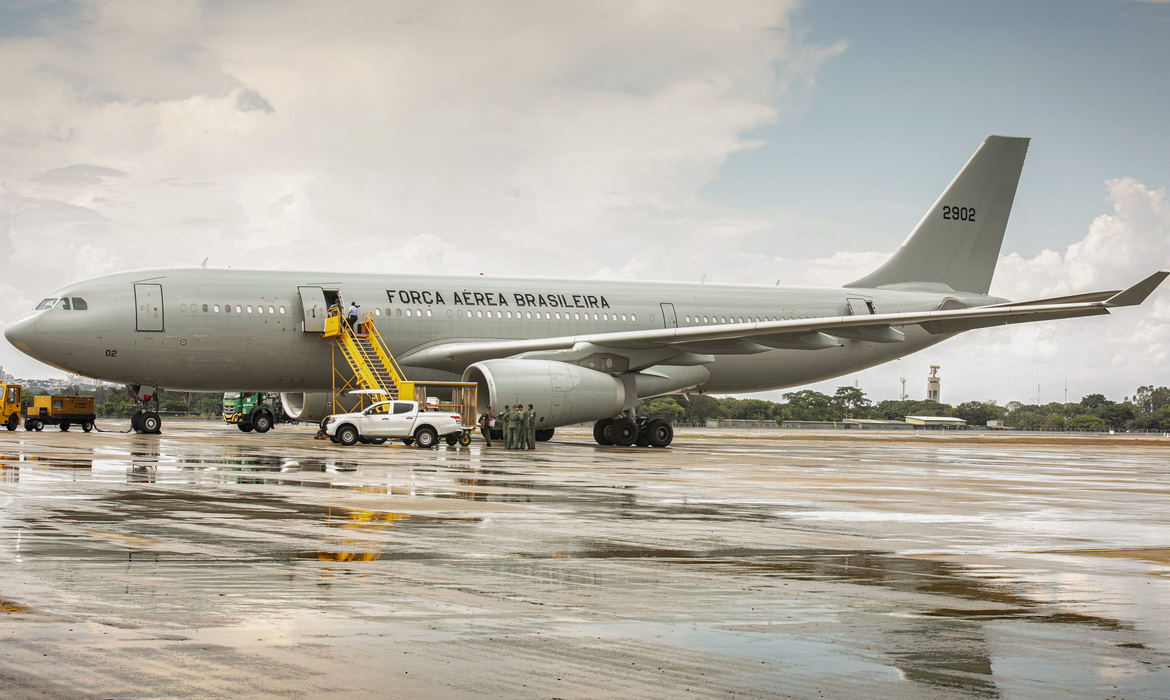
(1147, 409)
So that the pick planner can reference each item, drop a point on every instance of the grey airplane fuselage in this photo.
(259, 345)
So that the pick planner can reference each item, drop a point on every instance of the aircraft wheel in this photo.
(464, 439)
(377, 441)
(135, 422)
(452, 439)
(425, 438)
(599, 431)
(623, 432)
(545, 435)
(347, 435)
(38, 425)
(244, 427)
(13, 421)
(63, 426)
(87, 426)
(262, 423)
(659, 433)
(150, 423)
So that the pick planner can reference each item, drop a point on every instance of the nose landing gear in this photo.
(145, 419)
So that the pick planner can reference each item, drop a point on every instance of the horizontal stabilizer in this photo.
(1138, 292)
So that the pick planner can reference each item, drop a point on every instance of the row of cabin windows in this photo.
(78, 304)
(227, 308)
(518, 315)
(730, 319)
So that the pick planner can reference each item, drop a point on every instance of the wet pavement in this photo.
(206, 562)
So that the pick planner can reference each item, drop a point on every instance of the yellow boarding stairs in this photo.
(373, 371)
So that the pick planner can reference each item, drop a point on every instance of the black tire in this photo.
(333, 439)
(425, 438)
(364, 440)
(545, 435)
(63, 426)
(407, 441)
(150, 423)
(347, 435)
(659, 433)
(452, 439)
(13, 421)
(244, 427)
(599, 431)
(38, 425)
(262, 422)
(623, 432)
(134, 422)
(464, 439)
(377, 441)
(87, 426)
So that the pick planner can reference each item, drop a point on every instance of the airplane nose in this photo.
(21, 333)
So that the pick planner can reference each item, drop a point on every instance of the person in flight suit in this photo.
(353, 313)
(503, 421)
(531, 428)
(485, 422)
(514, 418)
(522, 429)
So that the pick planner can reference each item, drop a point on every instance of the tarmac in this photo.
(205, 562)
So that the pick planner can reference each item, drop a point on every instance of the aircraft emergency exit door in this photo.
(669, 320)
(313, 307)
(148, 307)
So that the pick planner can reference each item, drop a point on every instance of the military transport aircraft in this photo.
(580, 350)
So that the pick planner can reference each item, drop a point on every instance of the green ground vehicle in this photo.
(251, 410)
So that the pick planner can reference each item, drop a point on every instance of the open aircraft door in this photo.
(148, 307)
(669, 319)
(313, 308)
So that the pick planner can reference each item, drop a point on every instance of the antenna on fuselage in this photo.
(204, 263)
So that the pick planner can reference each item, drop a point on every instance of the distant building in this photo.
(932, 384)
(936, 421)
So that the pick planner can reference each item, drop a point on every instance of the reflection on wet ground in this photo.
(208, 562)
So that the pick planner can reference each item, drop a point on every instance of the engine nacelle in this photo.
(561, 394)
(312, 407)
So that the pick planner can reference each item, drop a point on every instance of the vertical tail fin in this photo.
(957, 242)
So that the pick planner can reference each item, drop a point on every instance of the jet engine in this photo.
(312, 407)
(560, 393)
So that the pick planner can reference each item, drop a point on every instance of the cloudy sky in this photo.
(744, 141)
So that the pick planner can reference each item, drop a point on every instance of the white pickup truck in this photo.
(393, 420)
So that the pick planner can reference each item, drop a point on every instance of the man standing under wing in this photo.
(531, 428)
(522, 430)
(514, 417)
(485, 422)
(503, 421)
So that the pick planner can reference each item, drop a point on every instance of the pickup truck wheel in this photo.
(464, 439)
(408, 441)
(364, 440)
(347, 435)
(452, 440)
(12, 422)
(262, 422)
(377, 441)
(425, 438)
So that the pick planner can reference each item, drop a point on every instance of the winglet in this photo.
(1138, 292)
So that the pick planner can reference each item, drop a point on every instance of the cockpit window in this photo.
(46, 304)
(79, 304)
(64, 303)
(13, 394)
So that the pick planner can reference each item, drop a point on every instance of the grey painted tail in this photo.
(957, 243)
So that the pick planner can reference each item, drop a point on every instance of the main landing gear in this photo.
(145, 419)
(626, 430)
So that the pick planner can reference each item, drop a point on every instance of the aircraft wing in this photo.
(807, 333)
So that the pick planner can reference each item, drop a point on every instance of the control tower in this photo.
(932, 384)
